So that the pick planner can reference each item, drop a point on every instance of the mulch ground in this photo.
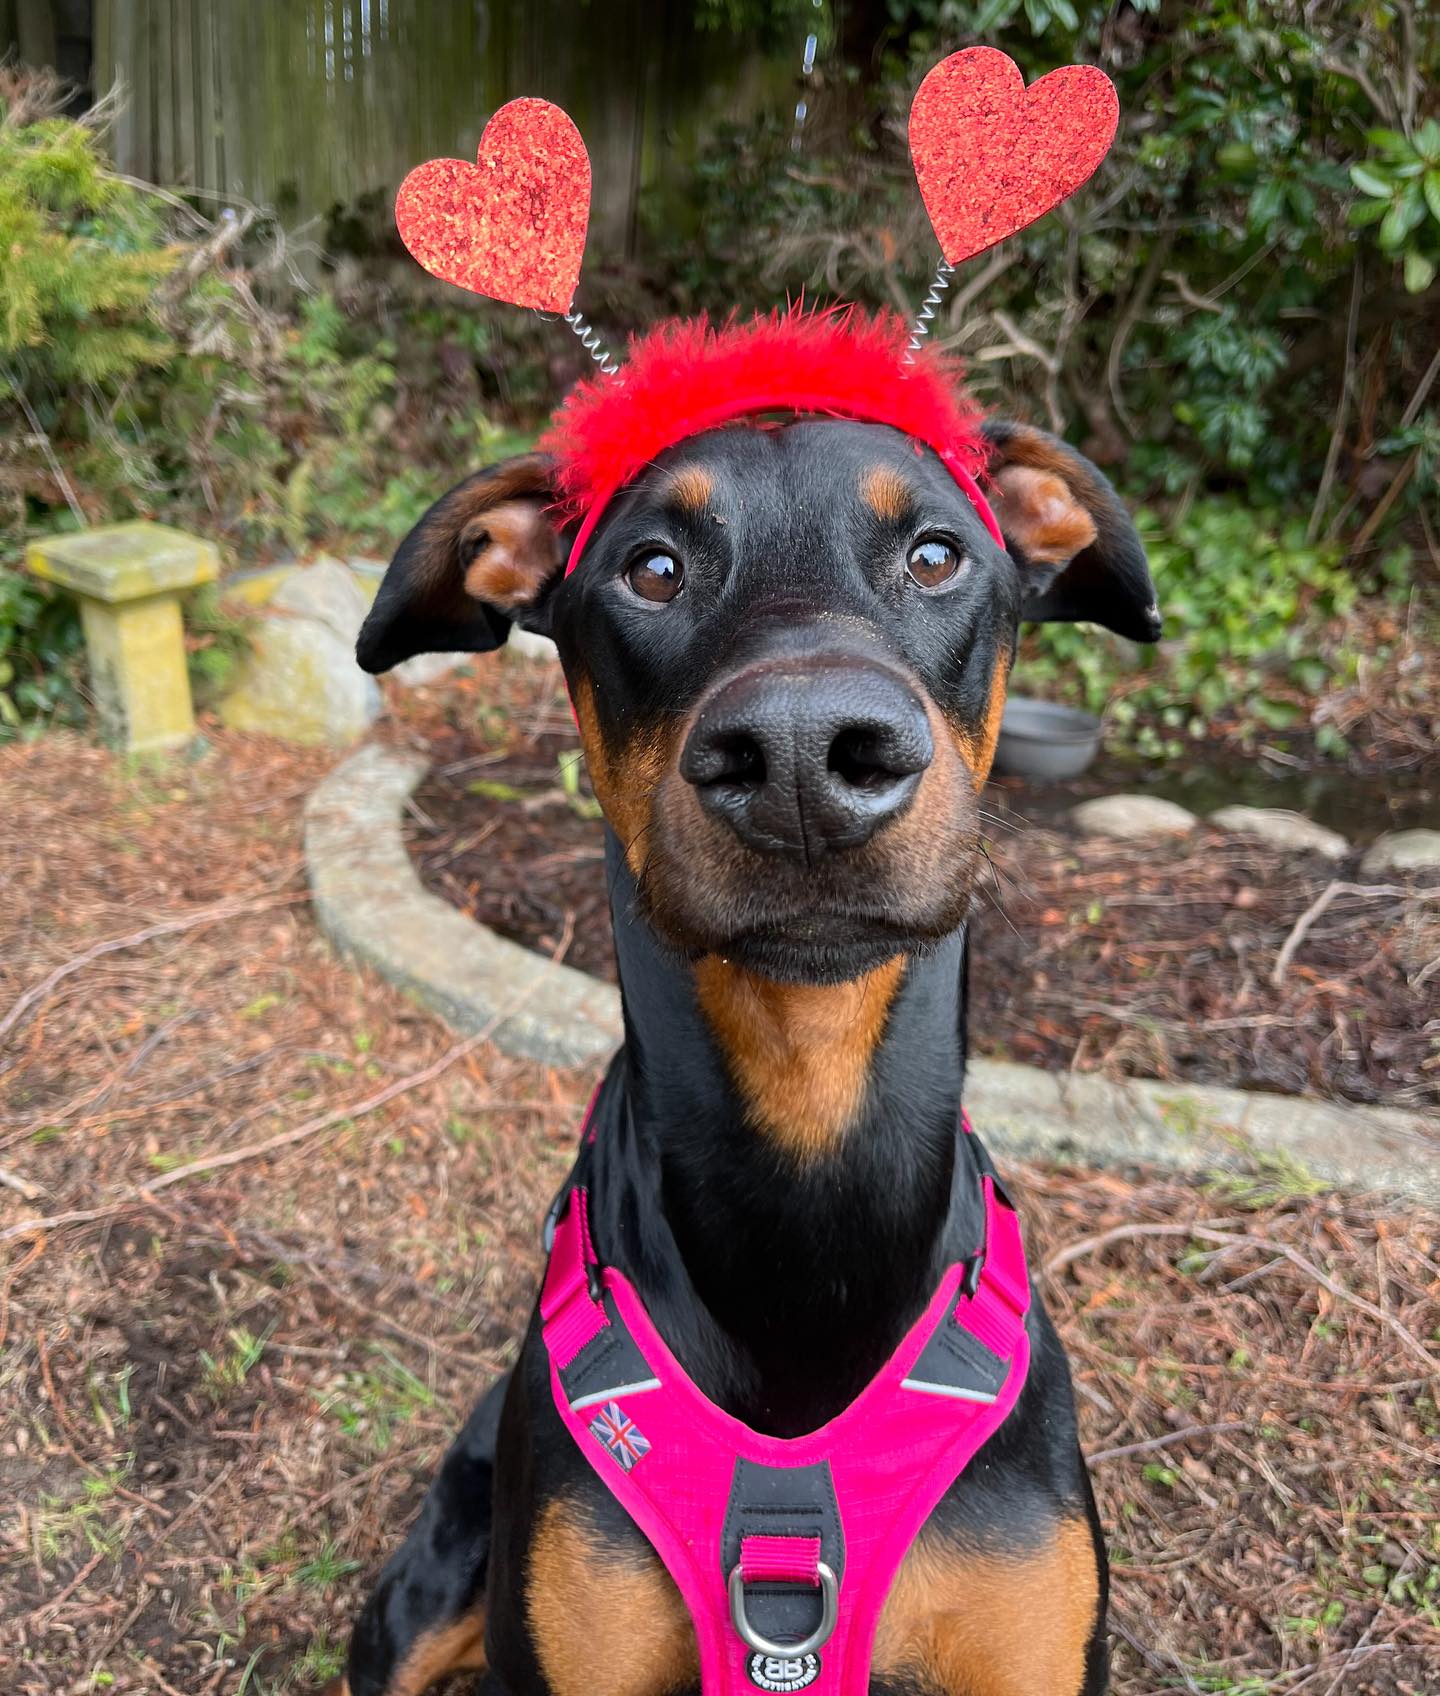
(266, 1229)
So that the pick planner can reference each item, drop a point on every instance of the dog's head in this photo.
(787, 645)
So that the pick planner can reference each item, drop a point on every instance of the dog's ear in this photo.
(481, 559)
(1078, 551)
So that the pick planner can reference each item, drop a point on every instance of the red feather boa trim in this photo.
(687, 376)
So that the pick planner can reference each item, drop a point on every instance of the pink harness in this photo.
(784, 1547)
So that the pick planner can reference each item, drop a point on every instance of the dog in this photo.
(787, 653)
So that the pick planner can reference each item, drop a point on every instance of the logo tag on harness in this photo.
(619, 1433)
(783, 1672)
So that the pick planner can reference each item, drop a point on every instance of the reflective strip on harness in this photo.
(794, 1540)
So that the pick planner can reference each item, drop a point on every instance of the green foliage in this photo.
(144, 371)
(79, 258)
(1265, 229)
(40, 655)
(1259, 608)
(1185, 318)
(139, 373)
(217, 640)
(1401, 186)
(773, 23)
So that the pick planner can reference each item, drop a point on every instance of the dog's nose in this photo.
(807, 757)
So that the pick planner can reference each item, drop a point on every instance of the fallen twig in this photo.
(282, 1139)
(1164, 1442)
(21, 1186)
(1313, 912)
(167, 927)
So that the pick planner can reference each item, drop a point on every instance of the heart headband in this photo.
(990, 156)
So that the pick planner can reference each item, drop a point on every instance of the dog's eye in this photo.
(933, 563)
(656, 577)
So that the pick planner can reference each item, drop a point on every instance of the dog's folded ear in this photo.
(482, 558)
(1078, 551)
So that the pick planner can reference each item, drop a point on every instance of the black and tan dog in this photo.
(788, 651)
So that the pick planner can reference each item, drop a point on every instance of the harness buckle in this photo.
(970, 1278)
(829, 1614)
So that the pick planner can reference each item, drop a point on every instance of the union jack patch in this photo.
(619, 1433)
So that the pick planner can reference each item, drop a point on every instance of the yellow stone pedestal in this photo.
(128, 579)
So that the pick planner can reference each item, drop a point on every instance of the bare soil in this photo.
(266, 1230)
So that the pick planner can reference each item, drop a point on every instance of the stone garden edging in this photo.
(370, 903)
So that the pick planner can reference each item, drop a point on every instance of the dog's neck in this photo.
(782, 1269)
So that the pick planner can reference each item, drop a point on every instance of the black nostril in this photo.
(736, 762)
(859, 756)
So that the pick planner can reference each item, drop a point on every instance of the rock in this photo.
(530, 646)
(301, 682)
(368, 573)
(1403, 851)
(326, 591)
(1132, 817)
(416, 672)
(1282, 829)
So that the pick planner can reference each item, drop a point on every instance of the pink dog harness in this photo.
(784, 1548)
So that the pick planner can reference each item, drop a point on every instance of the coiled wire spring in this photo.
(929, 309)
(590, 341)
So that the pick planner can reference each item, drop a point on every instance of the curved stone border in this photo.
(371, 904)
(1199, 1128)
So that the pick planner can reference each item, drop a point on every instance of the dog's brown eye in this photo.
(933, 563)
(656, 577)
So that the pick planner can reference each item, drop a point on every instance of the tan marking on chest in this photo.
(456, 1647)
(800, 1054)
(960, 1623)
(604, 1619)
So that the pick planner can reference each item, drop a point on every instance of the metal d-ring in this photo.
(829, 1613)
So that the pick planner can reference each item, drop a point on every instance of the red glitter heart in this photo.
(512, 225)
(992, 156)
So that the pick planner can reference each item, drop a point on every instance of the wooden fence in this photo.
(302, 105)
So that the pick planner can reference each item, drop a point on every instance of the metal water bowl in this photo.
(1039, 739)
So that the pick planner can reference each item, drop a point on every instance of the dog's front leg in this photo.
(426, 1615)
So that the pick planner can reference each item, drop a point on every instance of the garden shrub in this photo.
(1261, 615)
(1185, 319)
(146, 371)
(40, 654)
